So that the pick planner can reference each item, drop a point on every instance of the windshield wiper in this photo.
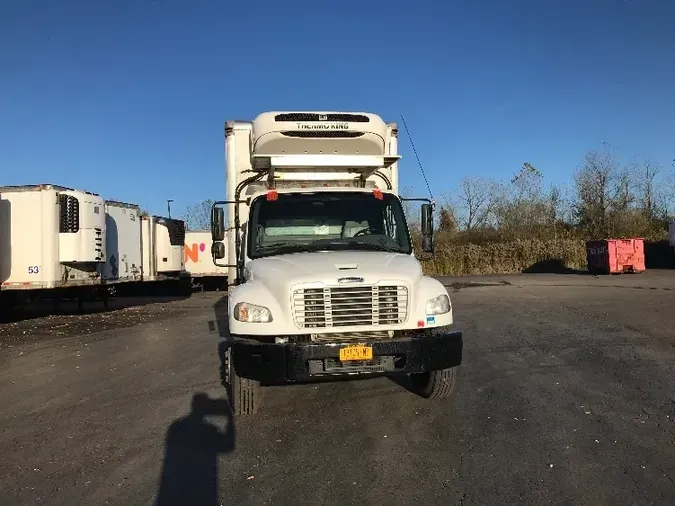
(284, 247)
(373, 246)
(360, 245)
(292, 247)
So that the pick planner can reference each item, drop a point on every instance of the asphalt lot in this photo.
(567, 396)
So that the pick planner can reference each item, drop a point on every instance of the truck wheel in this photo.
(435, 384)
(244, 394)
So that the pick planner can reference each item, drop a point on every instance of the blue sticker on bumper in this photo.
(431, 320)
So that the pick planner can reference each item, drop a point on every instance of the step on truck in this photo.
(324, 282)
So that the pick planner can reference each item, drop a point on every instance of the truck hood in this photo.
(280, 273)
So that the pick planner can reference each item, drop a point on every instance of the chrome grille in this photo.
(329, 337)
(342, 306)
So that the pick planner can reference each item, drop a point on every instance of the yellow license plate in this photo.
(356, 352)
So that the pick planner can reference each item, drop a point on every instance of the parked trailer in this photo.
(53, 243)
(124, 260)
(163, 241)
(144, 252)
(199, 263)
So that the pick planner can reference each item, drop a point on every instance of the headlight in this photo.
(438, 305)
(251, 313)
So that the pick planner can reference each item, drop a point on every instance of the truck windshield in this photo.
(327, 221)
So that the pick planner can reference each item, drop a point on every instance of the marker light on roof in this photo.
(272, 195)
(377, 193)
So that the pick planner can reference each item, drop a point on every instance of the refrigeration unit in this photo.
(163, 241)
(52, 238)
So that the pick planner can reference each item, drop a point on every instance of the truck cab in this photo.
(325, 279)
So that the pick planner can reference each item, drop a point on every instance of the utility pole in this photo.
(168, 206)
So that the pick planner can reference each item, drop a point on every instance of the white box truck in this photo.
(324, 280)
(53, 240)
(199, 263)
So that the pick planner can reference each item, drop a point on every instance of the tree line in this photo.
(603, 199)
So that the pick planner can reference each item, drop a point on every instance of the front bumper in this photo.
(293, 362)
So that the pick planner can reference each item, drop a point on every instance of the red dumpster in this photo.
(612, 256)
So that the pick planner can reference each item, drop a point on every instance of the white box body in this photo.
(124, 260)
(198, 259)
(50, 237)
(163, 241)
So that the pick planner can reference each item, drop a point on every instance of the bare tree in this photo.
(606, 201)
(595, 182)
(477, 200)
(447, 222)
(666, 198)
(198, 216)
(528, 182)
(522, 207)
(410, 210)
(649, 196)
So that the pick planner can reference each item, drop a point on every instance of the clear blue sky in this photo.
(127, 98)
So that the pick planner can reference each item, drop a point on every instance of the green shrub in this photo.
(530, 255)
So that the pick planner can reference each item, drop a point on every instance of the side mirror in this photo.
(427, 223)
(217, 224)
(427, 244)
(218, 250)
(427, 219)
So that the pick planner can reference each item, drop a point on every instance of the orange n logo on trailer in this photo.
(192, 252)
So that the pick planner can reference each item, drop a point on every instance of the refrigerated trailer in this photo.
(145, 250)
(324, 282)
(163, 243)
(124, 259)
(52, 240)
(198, 261)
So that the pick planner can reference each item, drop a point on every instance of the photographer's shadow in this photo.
(192, 448)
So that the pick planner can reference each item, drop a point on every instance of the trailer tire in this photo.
(435, 384)
(245, 394)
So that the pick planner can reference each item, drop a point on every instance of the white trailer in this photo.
(124, 260)
(52, 240)
(143, 252)
(163, 241)
(324, 280)
(199, 263)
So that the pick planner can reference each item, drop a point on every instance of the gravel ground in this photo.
(567, 396)
(38, 323)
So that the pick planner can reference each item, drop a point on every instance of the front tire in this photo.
(245, 394)
(435, 384)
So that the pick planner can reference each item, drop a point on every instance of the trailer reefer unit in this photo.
(325, 280)
(52, 238)
(163, 241)
(124, 259)
(198, 260)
